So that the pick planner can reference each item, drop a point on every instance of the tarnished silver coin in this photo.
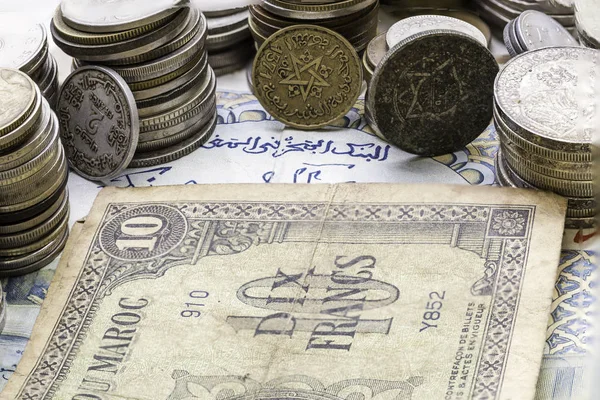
(421, 23)
(432, 94)
(20, 46)
(99, 125)
(17, 99)
(549, 97)
(99, 16)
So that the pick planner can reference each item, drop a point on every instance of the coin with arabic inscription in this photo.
(307, 76)
(99, 124)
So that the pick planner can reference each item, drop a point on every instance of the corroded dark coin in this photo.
(432, 94)
(99, 124)
(307, 76)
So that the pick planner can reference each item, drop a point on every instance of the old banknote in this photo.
(246, 292)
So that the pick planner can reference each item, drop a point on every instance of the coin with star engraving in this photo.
(99, 124)
(432, 94)
(307, 76)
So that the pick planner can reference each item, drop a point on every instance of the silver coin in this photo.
(46, 81)
(217, 25)
(421, 23)
(187, 120)
(513, 44)
(188, 33)
(31, 223)
(177, 151)
(99, 16)
(217, 12)
(34, 143)
(21, 132)
(316, 12)
(20, 47)
(194, 68)
(535, 30)
(173, 99)
(191, 127)
(587, 19)
(99, 124)
(36, 233)
(547, 96)
(170, 62)
(538, 5)
(227, 39)
(127, 48)
(376, 50)
(206, 88)
(17, 100)
(35, 261)
(559, 155)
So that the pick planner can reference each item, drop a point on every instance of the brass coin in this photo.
(307, 76)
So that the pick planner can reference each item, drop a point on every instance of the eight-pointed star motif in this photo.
(311, 69)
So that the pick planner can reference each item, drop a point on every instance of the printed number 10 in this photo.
(138, 233)
(190, 312)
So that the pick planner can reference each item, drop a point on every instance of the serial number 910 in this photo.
(193, 309)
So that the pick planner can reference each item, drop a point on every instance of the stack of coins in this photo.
(160, 53)
(229, 42)
(533, 30)
(544, 115)
(355, 20)
(500, 12)
(34, 207)
(438, 104)
(587, 21)
(25, 47)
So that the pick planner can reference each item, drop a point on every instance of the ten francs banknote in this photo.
(313, 292)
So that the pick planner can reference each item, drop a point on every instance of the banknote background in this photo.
(249, 147)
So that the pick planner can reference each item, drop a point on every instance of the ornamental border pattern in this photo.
(77, 315)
